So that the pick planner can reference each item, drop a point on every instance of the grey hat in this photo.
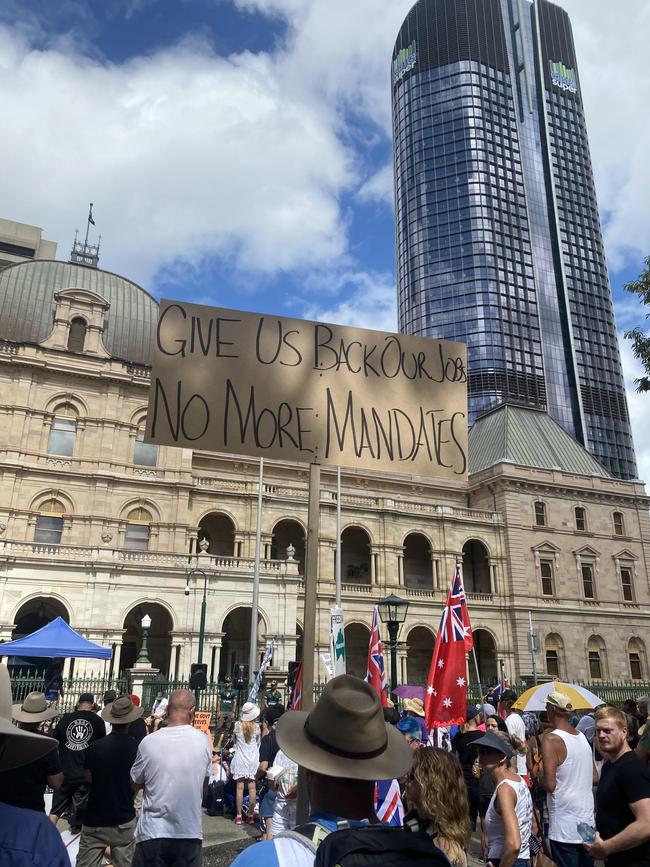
(492, 741)
(17, 746)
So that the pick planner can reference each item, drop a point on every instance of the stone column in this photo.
(494, 582)
(400, 570)
(138, 676)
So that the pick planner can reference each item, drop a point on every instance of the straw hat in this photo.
(345, 735)
(121, 711)
(415, 705)
(249, 712)
(17, 746)
(34, 709)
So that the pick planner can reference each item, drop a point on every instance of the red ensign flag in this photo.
(446, 694)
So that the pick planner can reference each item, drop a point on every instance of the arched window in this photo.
(63, 431)
(619, 524)
(136, 537)
(581, 518)
(49, 524)
(540, 514)
(144, 454)
(636, 657)
(77, 334)
(596, 657)
(553, 655)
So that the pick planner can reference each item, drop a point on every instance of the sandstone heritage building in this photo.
(99, 527)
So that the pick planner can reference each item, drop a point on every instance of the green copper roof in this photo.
(27, 305)
(528, 438)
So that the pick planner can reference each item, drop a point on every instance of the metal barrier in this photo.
(72, 689)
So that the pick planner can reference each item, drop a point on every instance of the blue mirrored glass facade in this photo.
(499, 242)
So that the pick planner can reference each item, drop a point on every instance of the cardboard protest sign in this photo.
(202, 720)
(269, 386)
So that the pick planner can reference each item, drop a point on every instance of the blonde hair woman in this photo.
(246, 759)
(436, 791)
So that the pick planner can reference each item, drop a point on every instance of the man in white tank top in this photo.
(568, 775)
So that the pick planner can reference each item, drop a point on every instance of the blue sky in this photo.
(238, 151)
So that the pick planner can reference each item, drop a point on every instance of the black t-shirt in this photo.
(138, 729)
(25, 786)
(269, 748)
(75, 732)
(462, 743)
(109, 761)
(622, 783)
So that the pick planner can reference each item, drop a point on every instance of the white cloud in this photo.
(183, 153)
(378, 187)
(612, 46)
(370, 301)
(639, 407)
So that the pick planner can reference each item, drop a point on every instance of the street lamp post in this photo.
(393, 610)
(204, 603)
(143, 656)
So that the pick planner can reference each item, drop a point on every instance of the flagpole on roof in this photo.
(90, 220)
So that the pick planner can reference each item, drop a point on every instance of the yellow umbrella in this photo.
(534, 699)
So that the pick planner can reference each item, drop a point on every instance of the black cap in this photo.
(472, 711)
(492, 741)
(86, 698)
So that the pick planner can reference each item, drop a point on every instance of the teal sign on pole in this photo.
(338, 641)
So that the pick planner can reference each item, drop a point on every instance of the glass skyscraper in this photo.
(499, 242)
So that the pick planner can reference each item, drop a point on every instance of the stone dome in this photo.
(27, 305)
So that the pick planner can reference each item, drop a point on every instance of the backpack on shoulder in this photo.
(372, 846)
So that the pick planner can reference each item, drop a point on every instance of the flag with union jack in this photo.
(295, 696)
(445, 699)
(376, 671)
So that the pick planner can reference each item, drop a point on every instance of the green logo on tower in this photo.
(404, 61)
(563, 77)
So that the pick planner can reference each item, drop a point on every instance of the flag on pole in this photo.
(266, 661)
(388, 803)
(90, 215)
(376, 671)
(446, 693)
(295, 696)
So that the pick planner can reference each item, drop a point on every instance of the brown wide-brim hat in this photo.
(17, 746)
(121, 711)
(345, 735)
(34, 709)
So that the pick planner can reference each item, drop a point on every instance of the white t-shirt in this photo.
(516, 727)
(284, 813)
(172, 764)
(159, 707)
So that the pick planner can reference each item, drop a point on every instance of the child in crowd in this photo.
(246, 759)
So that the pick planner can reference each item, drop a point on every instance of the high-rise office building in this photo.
(499, 242)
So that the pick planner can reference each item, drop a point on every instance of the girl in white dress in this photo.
(246, 759)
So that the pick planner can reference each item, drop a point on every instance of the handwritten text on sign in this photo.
(252, 384)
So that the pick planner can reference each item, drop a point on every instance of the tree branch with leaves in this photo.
(641, 341)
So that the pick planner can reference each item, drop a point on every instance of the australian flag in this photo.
(445, 699)
(376, 674)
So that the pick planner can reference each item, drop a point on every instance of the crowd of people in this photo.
(538, 789)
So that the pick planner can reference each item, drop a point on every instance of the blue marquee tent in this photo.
(56, 639)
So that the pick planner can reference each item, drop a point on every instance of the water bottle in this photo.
(587, 832)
